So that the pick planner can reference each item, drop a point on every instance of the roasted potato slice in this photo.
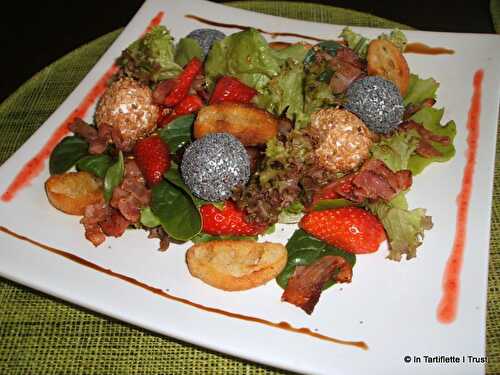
(72, 192)
(251, 125)
(236, 265)
(385, 60)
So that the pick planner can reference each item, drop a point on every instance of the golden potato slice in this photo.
(251, 125)
(72, 192)
(236, 265)
(385, 60)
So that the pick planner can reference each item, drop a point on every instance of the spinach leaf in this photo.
(95, 164)
(148, 218)
(326, 204)
(173, 176)
(113, 177)
(303, 250)
(175, 210)
(205, 237)
(67, 153)
(178, 132)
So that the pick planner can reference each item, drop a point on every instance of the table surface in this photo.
(60, 29)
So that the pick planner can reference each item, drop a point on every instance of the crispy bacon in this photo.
(159, 233)
(373, 181)
(115, 224)
(347, 68)
(425, 147)
(411, 109)
(162, 90)
(132, 194)
(305, 286)
(93, 215)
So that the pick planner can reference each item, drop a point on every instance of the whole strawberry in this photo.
(350, 228)
(153, 158)
(229, 221)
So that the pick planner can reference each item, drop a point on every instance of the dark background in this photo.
(34, 34)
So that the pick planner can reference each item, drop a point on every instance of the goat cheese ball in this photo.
(343, 140)
(127, 105)
(214, 165)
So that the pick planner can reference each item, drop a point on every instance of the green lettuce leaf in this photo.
(296, 52)
(151, 58)
(186, 49)
(396, 150)
(397, 37)
(430, 118)
(359, 43)
(284, 93)
(244, 55)
(404, 228)
(292, 214)
(205, 237)
(420, 89)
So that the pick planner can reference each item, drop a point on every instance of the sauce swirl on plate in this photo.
(281, 325)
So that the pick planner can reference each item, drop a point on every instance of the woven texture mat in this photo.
(43, 335)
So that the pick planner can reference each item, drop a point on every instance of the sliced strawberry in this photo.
(183, 83)
(350, 228)
(229, 89)
(153, 158)
(229, 221)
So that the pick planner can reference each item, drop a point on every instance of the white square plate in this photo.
(390, 306)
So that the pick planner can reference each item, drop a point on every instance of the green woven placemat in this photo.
(495, 14)
(43, 335)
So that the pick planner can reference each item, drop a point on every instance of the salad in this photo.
(217, 139)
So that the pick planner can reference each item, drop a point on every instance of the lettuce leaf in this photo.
(151, 58)
(398, 151)
(244, 55)
(359, 44)
(284, 93)
(420, 89)
(430, 118)
(292, 214)
(186, 49)
(404, 228)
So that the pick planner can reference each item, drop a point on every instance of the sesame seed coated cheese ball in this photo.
(127, 105)
(343, 139)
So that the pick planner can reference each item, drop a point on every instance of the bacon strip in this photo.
(425, 147)
(305, 286)
(411, 109)
(373, 181)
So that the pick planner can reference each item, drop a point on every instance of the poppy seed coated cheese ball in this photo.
(214, 165)
(377, 102)
(206, 37)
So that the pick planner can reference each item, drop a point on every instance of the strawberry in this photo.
(229, 89)
(190, 104)
(352, 229)
(153, 158)
(230, 221)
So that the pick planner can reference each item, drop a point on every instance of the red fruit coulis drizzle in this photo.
(447, 309)
(35, 166)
